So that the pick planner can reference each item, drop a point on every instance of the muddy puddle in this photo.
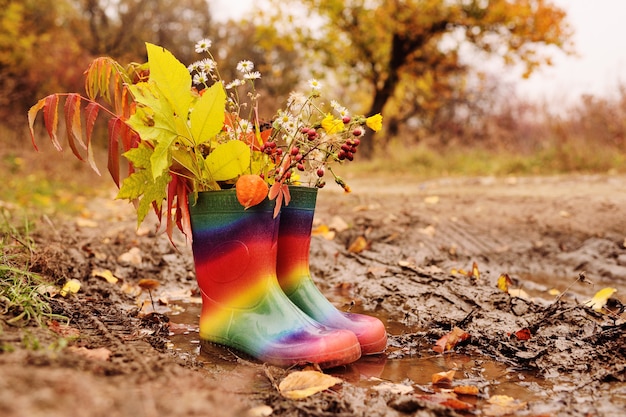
(390, 371)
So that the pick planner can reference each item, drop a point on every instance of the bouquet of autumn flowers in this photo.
(184, 130)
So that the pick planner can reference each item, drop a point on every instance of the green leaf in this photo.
(207, 117)
(228, 161)
(157, 123)
(139, 156)
(171, 77)
(140, 185)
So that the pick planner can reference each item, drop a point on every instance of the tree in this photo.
(120, 28)
(388, 43)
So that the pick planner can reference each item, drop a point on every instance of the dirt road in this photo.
(543, 349)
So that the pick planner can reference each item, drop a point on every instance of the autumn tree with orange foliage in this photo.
(406, 45)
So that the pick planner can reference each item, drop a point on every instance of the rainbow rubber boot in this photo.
(294, 240)
(243, 306)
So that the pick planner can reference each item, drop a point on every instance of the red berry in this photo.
(320, 172)
(299, 157)
(345, 147)
(341, 155)
(346, 119)
(353, 149)
(357, 132)
(349, 156)
(300, 166)
(294, 151)
(356, 141)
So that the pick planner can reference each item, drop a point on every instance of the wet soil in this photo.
(559, 239)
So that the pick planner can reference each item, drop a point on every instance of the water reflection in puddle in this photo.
(491, 377)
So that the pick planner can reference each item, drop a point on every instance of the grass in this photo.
(23, 299)
(427, 162)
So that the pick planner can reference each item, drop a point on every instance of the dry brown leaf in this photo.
(501, 405)
(450, 340)
(393, 388)
(63, 330)
(358, 245)
(466, 390)
(99, 354)
(443, 377)
(132, 257)
(338, 224)
(456, 404)
(301, 384)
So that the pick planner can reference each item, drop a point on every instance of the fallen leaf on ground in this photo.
(63, 330)
(450, 340)
(301, 384)
(466, 390)
(393, 388)
(600, 298)
(519, 293)
(523, 334)
(474, 274)
(81, 222)
(431, 199)
(338, 224)
(504, 281)
(323, 231)
(428, 230)
(443, 377)
(455, 404)
(99, 354)
(260, 411)
(501, 405)
(132, 257)
(71, 287)
(358, 245)
(106, 274)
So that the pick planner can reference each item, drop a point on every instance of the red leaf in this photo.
(456, 404)
(115, 127)
(91, 113)
(51, 119)
(32, 115)
(73, 124)
(523, 334)
(450, 340)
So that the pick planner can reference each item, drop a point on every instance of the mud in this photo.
(422, 240)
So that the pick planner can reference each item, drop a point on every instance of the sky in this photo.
(599, 38)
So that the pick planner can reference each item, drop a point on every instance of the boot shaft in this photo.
(294, 237)
(234, 249)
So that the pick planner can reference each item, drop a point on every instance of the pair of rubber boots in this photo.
(257, 293)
